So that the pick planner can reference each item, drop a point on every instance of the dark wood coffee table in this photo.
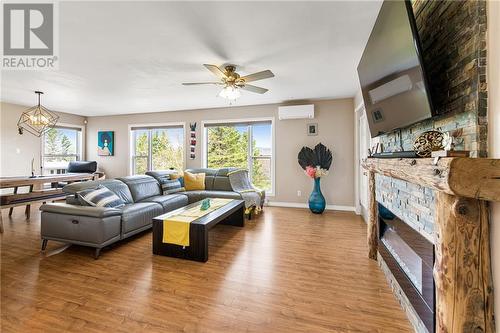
(232, 213)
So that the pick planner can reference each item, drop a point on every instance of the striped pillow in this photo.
(171, 186)
(100, 197)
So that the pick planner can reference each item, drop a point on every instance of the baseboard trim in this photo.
(303, 205)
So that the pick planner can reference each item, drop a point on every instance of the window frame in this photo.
(80, 144)
(152, 126)
(204, 144)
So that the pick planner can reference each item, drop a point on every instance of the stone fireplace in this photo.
(460, 258)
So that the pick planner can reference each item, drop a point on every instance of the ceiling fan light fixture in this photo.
(232, 82)
(230, 92)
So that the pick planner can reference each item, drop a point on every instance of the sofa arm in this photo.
(63, 208)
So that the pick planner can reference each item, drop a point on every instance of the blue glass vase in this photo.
(317, 201)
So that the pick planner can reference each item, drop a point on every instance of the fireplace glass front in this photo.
(410, 257)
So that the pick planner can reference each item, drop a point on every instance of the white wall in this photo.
(18, 150)
(494, 136)
(336, 131)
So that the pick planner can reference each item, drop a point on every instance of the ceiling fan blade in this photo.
(216, 70)
(200, 83)
(254, 89)
(258, 76)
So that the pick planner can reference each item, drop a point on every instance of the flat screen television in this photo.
(391, 72)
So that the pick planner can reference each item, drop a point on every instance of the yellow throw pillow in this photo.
(194, 181)
(177, 175)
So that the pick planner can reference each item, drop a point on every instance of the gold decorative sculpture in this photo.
(430, 141)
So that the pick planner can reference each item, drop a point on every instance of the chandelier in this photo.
(37, 119)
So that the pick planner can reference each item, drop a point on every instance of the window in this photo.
(61, 145)
(157, 148)
(244, 145)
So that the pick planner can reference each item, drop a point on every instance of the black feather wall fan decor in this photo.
(316, 163)
(319, 156)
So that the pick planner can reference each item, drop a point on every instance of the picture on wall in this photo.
(312, 129)
(105, 143)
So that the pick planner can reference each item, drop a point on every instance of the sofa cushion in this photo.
(209, 176)
(141, 186)
(215, 179)
(179, 176)
(169, 202)
(82, 166)
(222, 184)
(171, 186)
(195, 196)
(100, 196)
(194, 181)
(118, 187)
(161, 175)
(138, 215)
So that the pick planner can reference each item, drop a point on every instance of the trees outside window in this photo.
(61, 145)
(157, 149)
(246, 145)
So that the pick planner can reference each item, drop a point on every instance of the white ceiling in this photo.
(131, 57)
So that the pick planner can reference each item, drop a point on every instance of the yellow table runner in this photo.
(176, 227)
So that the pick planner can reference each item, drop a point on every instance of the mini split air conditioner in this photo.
(296, 112)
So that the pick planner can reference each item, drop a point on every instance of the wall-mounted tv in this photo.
(391, 72)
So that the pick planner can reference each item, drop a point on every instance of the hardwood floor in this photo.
(286, 271)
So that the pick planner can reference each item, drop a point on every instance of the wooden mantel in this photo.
(462, 268)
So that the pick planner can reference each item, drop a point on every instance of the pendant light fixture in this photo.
(37, 119)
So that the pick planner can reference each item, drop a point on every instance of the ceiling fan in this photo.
(232, 82)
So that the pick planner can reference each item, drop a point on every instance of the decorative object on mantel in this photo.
(450, 144)
(37, 119)
(430, 141)
(192, 142)
(316, 163)
(105, 143)
(374, 149)
(462, 268)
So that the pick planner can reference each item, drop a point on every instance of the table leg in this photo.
(11, 209)
(27, 211)
(236, 219)
(1, 222)
(198, 239)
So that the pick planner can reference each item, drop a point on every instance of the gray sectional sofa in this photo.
(217, 184)
(98, 227)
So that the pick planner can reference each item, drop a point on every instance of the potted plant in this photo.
(316, 163)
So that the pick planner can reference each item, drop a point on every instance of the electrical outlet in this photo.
(299, 193)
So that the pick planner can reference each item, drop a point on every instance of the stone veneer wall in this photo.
(410, 202)
(453, 37)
